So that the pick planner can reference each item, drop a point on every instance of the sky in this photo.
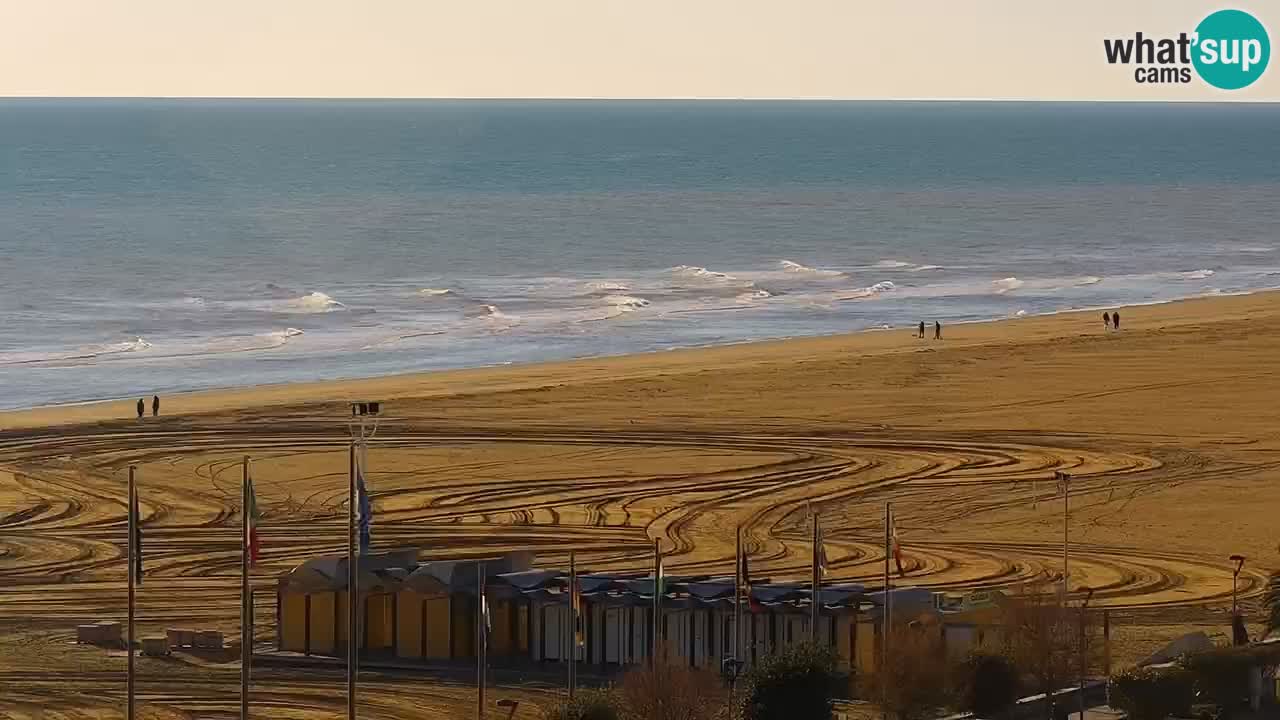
(854, 49)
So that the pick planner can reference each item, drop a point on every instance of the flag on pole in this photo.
(488, 619)
(822, 556)
(894, 546)
(135, 527)
(252, 516)
(575, 600)
(364, 509)
(753, 605)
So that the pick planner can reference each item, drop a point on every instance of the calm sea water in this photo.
(156, 246)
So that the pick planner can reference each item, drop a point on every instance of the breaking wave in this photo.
(435, 292)
(1004, 285)
(316, 302)
(88, 352)
(883, 286)
(797, 268)
(1196, 274)
(606, 286)
(700, 273)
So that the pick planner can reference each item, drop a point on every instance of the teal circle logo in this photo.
(1232, 49)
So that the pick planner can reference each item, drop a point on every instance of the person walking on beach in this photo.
(937, 330)
(155, 406)
(920, 332)
(1106, 320)
(1115, 319)
(142, 408)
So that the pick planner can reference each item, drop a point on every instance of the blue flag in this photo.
(364, 511)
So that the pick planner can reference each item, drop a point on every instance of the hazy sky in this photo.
(595, 48)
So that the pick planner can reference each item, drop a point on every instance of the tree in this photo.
(986, 684)
(1043, 636)
(1153, 693)
(913, 683)
(800, 683)
(671, 691)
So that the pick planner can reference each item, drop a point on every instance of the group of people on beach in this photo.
(937, 330)
(1111, 319)
(155, 407)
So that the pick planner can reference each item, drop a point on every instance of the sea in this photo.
(156, 246)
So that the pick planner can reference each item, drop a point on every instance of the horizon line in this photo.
(720, 99)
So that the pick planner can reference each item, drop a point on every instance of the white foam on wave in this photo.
(628, 302)
(870, 291)
(621, 304)
(753, 295)
(1196, 274)
(891, 264)
(1004, 285)
(87, 352)
(700, 273)
(796, 268)
(316, 302)
(1087, 280)
(606, 286)
(435, 292)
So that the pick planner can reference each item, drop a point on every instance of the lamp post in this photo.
(362, 426)
(1235, 576)
(1084, 655)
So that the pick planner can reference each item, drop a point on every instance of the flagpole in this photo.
(573, 623)
(884, 640)
(815, 599)
(657, 600)
(352, 592)
(737, 598)
(133, 520)
(246, 601)
(482, 644)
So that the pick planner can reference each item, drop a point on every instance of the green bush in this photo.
(1153, 693)
(1222, 677)
(799, 683)
(986, 684)
(587, 704)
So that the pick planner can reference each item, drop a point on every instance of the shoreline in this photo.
(508, 376)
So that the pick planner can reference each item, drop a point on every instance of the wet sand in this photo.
(1169, 428)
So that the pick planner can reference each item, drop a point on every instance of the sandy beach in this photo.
(1169, 428)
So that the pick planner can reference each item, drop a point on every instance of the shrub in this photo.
(587, 704)
(671, 691)
(800, 683)
(914, 683)
(986, 684)
(1153, 693)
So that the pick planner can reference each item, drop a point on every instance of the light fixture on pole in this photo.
(510, 706)
(1235, 576)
